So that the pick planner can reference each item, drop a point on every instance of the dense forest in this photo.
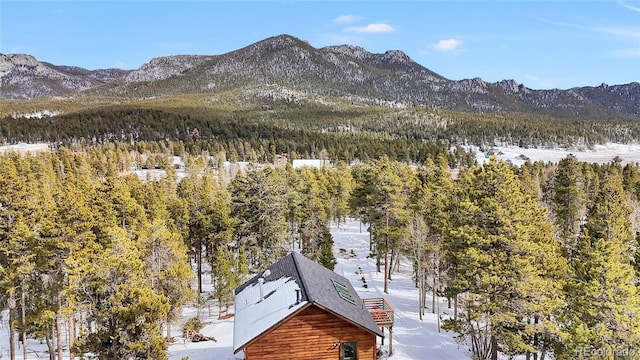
(540, 260)
(257, 131)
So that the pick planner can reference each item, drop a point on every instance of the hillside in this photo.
(348, 72)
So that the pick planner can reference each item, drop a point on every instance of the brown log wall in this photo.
(311, 335)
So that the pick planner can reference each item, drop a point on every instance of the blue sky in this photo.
(541, 44)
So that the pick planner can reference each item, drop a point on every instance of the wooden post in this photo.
(390, 340)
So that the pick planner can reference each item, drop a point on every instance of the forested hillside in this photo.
(265, 125)
(540, 260)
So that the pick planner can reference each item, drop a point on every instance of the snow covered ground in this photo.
(412, 339)
(25, 148)
(628, 153)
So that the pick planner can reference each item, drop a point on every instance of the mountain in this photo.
(290, 64)
(23, 77)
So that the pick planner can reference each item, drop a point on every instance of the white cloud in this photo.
(447, 45)
(371, 28)
(619, 31)
(347, 19)
(630, 7)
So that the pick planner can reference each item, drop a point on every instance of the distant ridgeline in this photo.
(287, 68)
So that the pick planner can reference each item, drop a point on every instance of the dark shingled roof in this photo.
(317, 288)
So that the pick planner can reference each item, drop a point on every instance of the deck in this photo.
(381, 311)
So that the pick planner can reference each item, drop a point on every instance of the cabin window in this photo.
(349, 351)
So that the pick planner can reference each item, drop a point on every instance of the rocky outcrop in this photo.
(164, 67)
(24, 77)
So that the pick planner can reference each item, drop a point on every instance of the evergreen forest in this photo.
(541, 260)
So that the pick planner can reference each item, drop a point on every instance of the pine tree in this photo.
(326, 257)
(417, 251)
(120, 206)
(631, 179)
(394, 183)
(227, 279)
(259, 204)
(19, 216)
(209, 216)
(294, 203)
(362, 201)
(51, 253)
(506, 263)
(78, 216)
(341, 184)
(569, 200)
(313, 215)
(430, 202)
(166, 264)
(127, 313)
(603, 310)
(379, 198)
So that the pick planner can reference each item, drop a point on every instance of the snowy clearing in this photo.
(628, 153)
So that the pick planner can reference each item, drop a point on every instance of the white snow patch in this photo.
(309, 163)
(628, 153)
(38, 114)
(24, 148)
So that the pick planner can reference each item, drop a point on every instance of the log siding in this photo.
(312, 333)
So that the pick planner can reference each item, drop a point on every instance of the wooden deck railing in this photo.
(381, 311)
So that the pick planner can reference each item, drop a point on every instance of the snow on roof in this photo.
(317, 286)
(253, 316)
(311, 163)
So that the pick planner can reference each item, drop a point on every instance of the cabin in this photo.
(300, 310)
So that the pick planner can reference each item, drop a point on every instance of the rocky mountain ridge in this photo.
(24, 77)
(343, 71)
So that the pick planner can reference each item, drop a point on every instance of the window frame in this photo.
(354, 345)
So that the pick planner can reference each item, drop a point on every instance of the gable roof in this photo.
(317, 285)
